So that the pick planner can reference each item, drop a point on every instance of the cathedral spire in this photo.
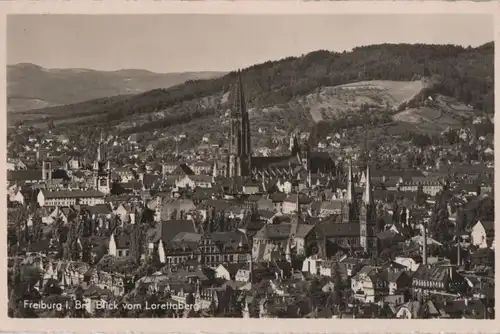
(239, 137)
(239, 107)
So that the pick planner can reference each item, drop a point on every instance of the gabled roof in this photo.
(183, 169)
(431, 273)
(168, 229)
(488, 225)
(284, 231)
(72, 194)
(99, 209)
(334, 205)
(303, 199)
(233, 268)
(330, 230)
(24, 175)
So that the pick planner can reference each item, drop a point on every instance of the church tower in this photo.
(349, 205)
(239, 163)
(102, 153)
(367, 219)
(101, 170)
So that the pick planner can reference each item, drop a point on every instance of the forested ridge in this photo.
(463, 73)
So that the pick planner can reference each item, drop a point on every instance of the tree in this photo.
(136, 241)
(440, 227)
(37, 226)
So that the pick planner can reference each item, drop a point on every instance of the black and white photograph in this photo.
(325, 166)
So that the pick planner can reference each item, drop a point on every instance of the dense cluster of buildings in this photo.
(247, 236)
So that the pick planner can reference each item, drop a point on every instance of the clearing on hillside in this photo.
(332, 102)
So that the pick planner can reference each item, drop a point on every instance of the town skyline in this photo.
(132, 41)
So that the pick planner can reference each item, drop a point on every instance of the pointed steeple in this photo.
(350, 185)
(368, 197)
(239, 98)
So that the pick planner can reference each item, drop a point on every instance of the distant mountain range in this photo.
(30, 86)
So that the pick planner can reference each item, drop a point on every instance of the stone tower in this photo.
(239, 163)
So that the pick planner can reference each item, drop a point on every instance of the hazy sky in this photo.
(175, 43)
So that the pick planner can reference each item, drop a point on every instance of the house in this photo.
(399, 281)
(265, 204)
(228, 271)
(343, 234)
(162, 237)
(483, 234)
(290, 203)
(169, 167)
(119, 245)
(251, 188)
(123, 174)
(16, 196)
(369, 284)
(278, 199)
(201, 167)
(74, 163)
(176, 209)
(410, 263)
(260, 271)
(352, 265)
(293, 235)
(98, 211)
(328, 208)
(183, 169)
(25, 176)
(429, 278)
(193, 181)
(312, 265)
(59, 213)
(183, 248)
(69, 197)
(224, 247)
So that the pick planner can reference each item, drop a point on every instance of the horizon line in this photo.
(226, 71)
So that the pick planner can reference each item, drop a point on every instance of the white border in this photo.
(228, 324)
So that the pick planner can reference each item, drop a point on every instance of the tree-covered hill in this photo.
(463, 73)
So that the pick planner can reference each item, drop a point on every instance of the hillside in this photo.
(333, 102)
(368, 85)
(30, 86)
